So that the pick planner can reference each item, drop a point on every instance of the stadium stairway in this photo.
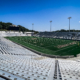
(57, 74)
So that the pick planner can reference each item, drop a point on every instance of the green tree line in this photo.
(5, 27)
(63, 30)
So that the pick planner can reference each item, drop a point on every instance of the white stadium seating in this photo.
(15, 33)
(63, 35)
(18, 63)
(70, 70)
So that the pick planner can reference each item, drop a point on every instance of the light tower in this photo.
(69, 23)
(50, 25)
(32, 28)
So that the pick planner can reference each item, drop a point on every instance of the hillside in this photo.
(5, 27)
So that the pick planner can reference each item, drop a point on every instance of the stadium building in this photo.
(14, 27)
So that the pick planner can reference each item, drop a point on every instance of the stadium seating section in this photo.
(18, 63)
(11, 33)
(64, 35)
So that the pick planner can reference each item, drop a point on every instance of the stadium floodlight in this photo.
(69, 23)
(50, 25)
(32, 28)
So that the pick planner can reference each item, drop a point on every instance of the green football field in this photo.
(49, 45)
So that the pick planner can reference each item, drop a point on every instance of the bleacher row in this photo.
(18, 63)
(65, 35)
(11, 33)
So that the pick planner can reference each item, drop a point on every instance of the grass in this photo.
(49, 45)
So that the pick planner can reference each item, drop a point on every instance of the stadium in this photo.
(41, 56)
(27, 53)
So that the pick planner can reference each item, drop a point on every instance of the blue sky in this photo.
(40, 12)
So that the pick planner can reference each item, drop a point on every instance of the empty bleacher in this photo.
(63, 35)
(18, 63)
(12, 33)
(70, 70)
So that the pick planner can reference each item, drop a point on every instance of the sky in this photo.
(41, 12)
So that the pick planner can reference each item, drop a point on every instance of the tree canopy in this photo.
(5, 27)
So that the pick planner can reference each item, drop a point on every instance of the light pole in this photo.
(50, 25)
(69, 23)
(32, 28)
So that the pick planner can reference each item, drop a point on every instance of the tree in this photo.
(0, 26)
(5, 26)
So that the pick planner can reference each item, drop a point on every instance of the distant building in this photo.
(14, 28)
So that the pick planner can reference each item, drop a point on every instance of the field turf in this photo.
(49, 45)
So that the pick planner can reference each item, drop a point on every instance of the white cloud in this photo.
(79, 21)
